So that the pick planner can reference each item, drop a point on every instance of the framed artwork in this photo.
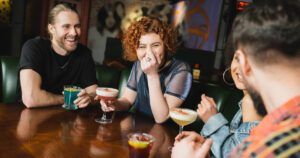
(82, 6)
(198, 23)
(110, 18)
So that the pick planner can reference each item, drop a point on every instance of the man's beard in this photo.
(62, 43)
(256, 98)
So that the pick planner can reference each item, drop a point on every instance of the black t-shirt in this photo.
(78, 68)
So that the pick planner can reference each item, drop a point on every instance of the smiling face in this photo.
(236, 75)
(65, 32)
(245, 71)
(150, 43)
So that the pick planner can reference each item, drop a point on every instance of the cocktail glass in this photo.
(183, 117)
(140, 145)
(70, 94)
(106, 94)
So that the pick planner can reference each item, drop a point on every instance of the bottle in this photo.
(196, 72)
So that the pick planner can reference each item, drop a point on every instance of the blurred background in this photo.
(203, 27)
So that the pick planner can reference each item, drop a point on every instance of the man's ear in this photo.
(50, 28)
(243, 61)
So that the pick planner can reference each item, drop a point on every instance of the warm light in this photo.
(5, 10)
(179, 13)
(133, 13)
(241, 5)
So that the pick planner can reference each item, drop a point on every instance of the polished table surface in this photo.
(54, 132)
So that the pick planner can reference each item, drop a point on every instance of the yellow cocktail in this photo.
(183, 116)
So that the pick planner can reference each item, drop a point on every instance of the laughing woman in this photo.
(157, 82)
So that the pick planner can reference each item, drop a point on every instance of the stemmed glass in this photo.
(182, 117)
(106, 94)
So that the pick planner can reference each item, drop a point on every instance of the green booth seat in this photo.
(111, 77)
(226, 99)
(107, 76)
(9, 79)
(231, 104)
(123, 84)
(123, 81)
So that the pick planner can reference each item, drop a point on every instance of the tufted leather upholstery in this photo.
(9, 73)
(107, 76)
(123, 80)
(226, 98)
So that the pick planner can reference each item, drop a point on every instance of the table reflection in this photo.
(31, 119)
(56, 132)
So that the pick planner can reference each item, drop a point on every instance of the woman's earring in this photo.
(224, 77)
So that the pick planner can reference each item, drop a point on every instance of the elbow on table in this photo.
(160, 120)
(29, 101)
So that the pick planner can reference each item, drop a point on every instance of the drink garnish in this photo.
(138, 144)
(180, 111)
(139, 141)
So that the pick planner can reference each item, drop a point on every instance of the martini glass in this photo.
(182, 117)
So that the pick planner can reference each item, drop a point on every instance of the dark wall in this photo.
(25, 23)
(5, 40)
(17, 26)
(33, 18)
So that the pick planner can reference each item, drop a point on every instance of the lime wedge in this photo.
(138, 144)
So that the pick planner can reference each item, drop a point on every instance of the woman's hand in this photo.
(150, 64)
(206, 108)
(107, 105)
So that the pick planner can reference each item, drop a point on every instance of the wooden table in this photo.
(57, 133)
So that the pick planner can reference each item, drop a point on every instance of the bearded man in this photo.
(46, 65)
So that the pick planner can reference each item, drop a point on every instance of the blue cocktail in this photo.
(70, 94)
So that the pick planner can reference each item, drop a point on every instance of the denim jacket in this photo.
(226, 137)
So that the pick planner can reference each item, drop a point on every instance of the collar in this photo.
(282, 113)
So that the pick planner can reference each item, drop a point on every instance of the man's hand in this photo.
(191, 135)
(83, 99)
(192, 145)
(206, 108)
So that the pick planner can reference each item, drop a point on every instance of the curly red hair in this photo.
(148, 25)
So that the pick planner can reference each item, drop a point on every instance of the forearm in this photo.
(216, 128)
(158, 103)
(122, 104)
(224, 137)
(32, 94)
(91, 91)
(224, 142)
(42, 98)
